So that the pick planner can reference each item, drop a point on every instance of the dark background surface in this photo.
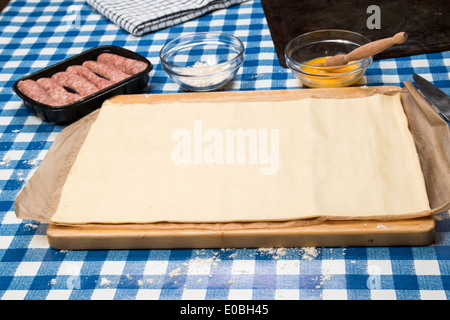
(3, 3)
(426, 22)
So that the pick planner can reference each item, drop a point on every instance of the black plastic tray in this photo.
(67, 114)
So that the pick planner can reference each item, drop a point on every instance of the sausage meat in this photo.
(31, 89)
(112, 74)
(89, 75)
(57, 92)
(127, 65)
(75, 82)
(83, 80)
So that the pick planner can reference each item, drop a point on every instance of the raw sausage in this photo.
(83, 80)
(127, 65)
(90, 76)
(57, 92)
(75, 82)
(112, 74)
(32, 90)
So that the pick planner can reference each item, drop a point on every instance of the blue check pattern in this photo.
(35, 34)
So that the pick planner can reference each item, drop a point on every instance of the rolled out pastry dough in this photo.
(338, 158)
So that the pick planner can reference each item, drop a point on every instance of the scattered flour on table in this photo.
(309, 253)
(276, 253)
(141, 282)
(6, 161)
(204, 257)
(32, 162)
(175, 272)
(322, 280)
(31, 226)
(105, 282)
(442, 216)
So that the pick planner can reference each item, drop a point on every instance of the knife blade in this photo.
(438, 99)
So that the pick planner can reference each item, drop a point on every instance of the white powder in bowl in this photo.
(208, 75)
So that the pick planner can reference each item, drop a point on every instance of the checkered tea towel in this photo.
(139, 17)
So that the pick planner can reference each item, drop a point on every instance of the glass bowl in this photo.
(304, 54)
(202, 61)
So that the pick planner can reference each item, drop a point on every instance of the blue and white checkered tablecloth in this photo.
(35, 34)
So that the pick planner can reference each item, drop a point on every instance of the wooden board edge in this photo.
(255, 95)
(410, 232)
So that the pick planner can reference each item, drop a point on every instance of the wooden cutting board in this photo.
(412, 232)
(418, 231)
(426, 22)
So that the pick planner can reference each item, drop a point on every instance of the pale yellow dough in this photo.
(337, 158)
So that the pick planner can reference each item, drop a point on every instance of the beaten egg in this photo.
(315, 76)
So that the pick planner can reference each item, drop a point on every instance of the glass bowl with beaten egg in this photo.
(306, 54)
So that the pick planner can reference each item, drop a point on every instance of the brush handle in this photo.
(367, 50)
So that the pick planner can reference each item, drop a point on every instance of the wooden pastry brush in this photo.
(366, 50)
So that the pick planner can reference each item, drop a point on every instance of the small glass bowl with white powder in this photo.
(202, 61)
